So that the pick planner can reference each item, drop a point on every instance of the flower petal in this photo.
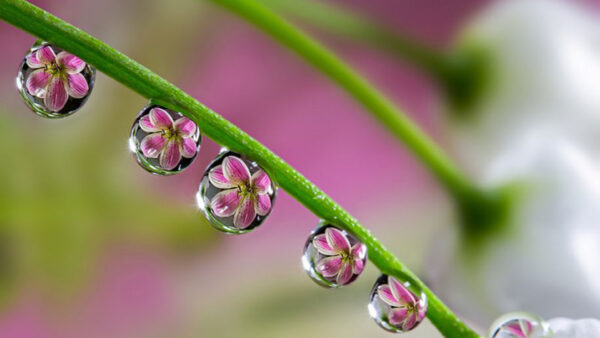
(147, 125)
(337, 240)
(345, 274)
(410, 322)
(401, 293)
(320, 243)
(152, 145)
(32, 61)
(245, 214)
(358, 265)
(422, 306)
(527, 326)
(514, 332)
(359, 251)
(225, 203)
(216, 178)
(188, 147)
(261, 181)
(160, 118)
(77, 86)
(569, 328)
(56, 95)
(71, 63)
(45, 55)
(262, 204)
(170, 156)
(385, 293)
(329, 266)
(235, 170)
(519, 328)
(185, 126)
(36, 82)
(397, 316)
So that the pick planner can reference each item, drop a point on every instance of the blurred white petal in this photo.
(581, 328)
(545, 74)
(538, 124)
(547, 263)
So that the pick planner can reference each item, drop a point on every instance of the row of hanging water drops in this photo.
(235, 194)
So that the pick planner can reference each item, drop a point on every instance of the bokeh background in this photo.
(91, 245)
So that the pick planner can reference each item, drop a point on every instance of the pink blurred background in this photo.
(103, 270)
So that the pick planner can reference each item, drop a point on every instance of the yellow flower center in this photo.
(171, 134)
(55, 70)
(411, 307)
(247, 190)
(347, 257)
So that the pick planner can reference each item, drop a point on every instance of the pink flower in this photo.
(406, 309)
(55, 77)
(341, 261)
(168, 140)
(245, 196)
(520, 328)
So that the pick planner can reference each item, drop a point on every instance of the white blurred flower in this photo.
(546, 262)
(580, 328)
(544, 73)
(536, 124)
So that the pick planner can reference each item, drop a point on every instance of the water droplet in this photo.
(53, 82)
(235, 194)
(333, 257)
(397, 306)
(519, 325)
(163, 141)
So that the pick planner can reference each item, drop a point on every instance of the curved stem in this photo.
(462, 74)
(379, 106)
(140, 79)
(344, 22)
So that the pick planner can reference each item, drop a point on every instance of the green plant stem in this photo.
(379, 106)
(462, 74)
(148, 84)
(344, 22)
(481, 212)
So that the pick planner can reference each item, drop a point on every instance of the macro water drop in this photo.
(397, 306)
(236, 194)
(519, 325)
(164, 142)
(54, 83)
(333, 257)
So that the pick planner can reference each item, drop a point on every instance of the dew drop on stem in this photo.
(163, 141)
(236, 194)
(54, 83)
(519, 325)
(333, 257)
(397, 306)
